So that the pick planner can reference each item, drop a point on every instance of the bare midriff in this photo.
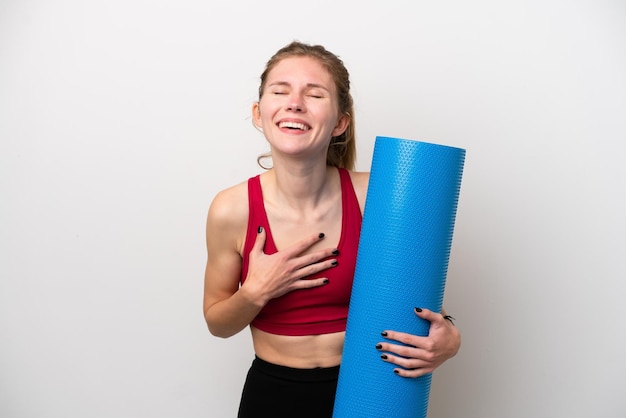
(302, 352)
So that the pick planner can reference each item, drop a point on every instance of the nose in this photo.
(295, 103)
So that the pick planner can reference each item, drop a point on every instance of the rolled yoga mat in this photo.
(401, 264)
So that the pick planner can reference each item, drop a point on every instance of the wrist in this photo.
(252, 297)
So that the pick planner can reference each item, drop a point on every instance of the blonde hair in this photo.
(342, 148)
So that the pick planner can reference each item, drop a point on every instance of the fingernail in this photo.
(383, 356)
(379, 346)
(384, 333)
(321, 235)
(418, 309)
(326, 281)
(260, 229)
(334, 262)
(396, 371)
(335, 252)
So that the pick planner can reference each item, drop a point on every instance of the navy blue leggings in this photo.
(278, 391)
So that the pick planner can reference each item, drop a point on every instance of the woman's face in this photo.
(298, 110)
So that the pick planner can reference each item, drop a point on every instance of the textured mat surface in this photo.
(402, 263)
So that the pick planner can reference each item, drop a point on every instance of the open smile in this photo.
(294, 125)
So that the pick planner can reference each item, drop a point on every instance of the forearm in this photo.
(227, 317)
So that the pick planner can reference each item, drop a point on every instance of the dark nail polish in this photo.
(260, 229)
(384, 333)
(326, 281)
(335, 252)
(321, 235)
(396, 371)
(383, 356)
(334, 262)
(379, 346)
(418, 309)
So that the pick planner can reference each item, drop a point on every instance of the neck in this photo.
(300, 186)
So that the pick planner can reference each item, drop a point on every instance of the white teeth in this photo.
(293, 125)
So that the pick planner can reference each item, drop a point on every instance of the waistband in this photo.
(317, 374)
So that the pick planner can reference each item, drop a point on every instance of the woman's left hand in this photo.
(422, 355)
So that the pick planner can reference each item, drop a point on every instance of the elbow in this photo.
(217, 330)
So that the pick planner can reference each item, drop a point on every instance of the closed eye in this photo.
(316, 93)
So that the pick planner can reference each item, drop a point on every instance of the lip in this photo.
(293, 122)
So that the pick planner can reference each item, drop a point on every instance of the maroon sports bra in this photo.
(319, 310)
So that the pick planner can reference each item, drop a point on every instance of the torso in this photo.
(306, 351)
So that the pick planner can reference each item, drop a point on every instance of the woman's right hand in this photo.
(271, 276)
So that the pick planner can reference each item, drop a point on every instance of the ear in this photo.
(256, 115)
(342, 125)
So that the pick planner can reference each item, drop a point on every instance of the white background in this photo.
(120, 120)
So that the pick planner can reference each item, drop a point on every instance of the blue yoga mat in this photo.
(402, 263)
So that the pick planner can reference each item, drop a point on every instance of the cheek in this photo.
(266, 108)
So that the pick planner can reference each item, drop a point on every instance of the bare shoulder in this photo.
(360, 180)
(226, 201)
(228, 213)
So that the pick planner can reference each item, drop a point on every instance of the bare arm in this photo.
(226, 310)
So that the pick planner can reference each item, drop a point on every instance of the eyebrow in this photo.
(308, 85)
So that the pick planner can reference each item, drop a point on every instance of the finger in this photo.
(406, 352)
(408, 367)
(416, 341)
(259, 243)
(411, 373)
(428, 315)
(311, 269)
(311, 283)
(304, 244)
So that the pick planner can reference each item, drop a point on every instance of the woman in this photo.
(282, 246)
